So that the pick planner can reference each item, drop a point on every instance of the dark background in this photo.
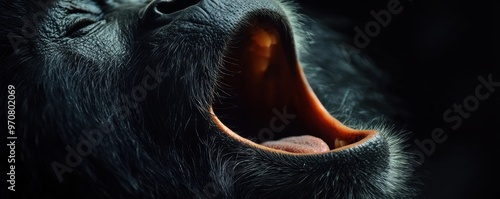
(435, 51)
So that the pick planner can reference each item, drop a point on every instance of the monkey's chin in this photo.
(264, 99)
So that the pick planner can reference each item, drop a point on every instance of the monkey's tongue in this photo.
(299, 144)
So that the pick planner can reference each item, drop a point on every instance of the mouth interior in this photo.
(264, 100)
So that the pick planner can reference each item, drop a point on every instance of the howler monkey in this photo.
(193, 99)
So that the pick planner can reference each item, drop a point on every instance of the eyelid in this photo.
(80, 8)
(80, 22)
(82, 25)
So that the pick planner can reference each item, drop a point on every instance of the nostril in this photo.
(171, 6)
(159, 12)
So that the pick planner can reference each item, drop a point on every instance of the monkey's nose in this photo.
(164, 9)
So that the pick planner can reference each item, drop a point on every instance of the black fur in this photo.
(136, 93)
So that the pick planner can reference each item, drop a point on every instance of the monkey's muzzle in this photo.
(264, 99)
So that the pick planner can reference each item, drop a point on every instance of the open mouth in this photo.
(265, 101)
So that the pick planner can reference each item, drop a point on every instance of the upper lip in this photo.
(262, 74)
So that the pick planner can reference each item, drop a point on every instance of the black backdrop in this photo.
(436, 51)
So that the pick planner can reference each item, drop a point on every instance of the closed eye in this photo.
(79, 25)
(88, 10)
(82, 19)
